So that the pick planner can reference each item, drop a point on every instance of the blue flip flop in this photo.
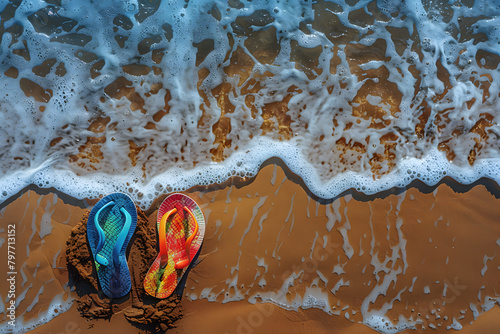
(110, 227)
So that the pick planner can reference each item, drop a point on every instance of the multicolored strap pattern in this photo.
(181, 227)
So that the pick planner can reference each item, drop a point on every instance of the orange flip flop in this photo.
(181, 228)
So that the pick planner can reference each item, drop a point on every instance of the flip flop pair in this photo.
(110, 226)
(181, 228)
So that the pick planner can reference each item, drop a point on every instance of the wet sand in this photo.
(428, 251)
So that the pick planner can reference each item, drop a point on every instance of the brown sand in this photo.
(442, 235)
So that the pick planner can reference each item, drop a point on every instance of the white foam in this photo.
(382, 324)
(57, 306)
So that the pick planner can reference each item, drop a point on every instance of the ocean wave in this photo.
(148, 97)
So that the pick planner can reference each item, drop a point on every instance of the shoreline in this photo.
(287, 200)
(410, 173)
(490, 184)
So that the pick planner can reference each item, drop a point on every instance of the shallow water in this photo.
(147, 96)
(150, 97)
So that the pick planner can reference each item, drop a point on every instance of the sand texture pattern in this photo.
(268, 239)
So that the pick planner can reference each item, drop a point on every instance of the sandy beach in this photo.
(433, 247)
(154, 97)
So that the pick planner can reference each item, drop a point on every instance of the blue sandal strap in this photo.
(100, 232)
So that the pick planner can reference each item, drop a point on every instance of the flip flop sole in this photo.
(108, 242)
(161, 282)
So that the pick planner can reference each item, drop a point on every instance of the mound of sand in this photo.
(139, 308)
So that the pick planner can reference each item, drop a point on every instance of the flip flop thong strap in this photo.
(185, 261)
(101, 236)
(162, 235)
(189, 240)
